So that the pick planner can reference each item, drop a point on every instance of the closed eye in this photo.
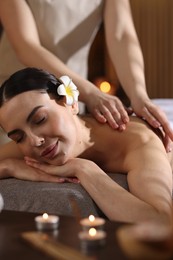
(19, 140)
(40, 121)
(18, 137)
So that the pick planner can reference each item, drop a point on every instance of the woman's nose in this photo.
(36, 141)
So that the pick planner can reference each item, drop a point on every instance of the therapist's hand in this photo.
(154, 115)
(108, 108)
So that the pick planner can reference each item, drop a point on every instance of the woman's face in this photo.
(32, 116)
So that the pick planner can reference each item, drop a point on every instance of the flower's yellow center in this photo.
(69, 91)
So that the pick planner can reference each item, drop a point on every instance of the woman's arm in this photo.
(12, 164)
(149, 201)
(20, 27)
(126, 55)
(17, 168)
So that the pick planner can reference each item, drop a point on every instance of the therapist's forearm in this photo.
(36, 55)
(128, 61)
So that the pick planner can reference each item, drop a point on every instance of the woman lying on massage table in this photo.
(52, 143)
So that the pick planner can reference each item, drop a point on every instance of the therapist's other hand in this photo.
(156, 117)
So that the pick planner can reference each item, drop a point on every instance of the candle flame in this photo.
(91, 218)
(45, 216)
(92, 232)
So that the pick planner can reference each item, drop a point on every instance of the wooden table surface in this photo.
(65, 241)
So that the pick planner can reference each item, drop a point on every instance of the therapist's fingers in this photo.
(167, 143)
(116, 116)
(157, 118)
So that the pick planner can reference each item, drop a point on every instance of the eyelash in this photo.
(37, 123)
(40, 121)
(20, 139)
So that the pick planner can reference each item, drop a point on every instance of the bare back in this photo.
(111, 147)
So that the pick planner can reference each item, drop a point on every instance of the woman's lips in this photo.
(50, 152)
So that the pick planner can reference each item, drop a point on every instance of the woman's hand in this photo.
(19, 169)
(69, 171)
(154, 115)
(108, 108)
(66, 172)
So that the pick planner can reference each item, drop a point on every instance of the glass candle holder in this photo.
(47, 222)
(91, 221)
(92, 238)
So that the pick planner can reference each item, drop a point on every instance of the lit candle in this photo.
(47, 222)
(92, 238)
(92, 221)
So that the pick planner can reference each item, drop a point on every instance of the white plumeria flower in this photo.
(68, 89)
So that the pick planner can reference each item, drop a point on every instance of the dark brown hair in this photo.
(26, 80)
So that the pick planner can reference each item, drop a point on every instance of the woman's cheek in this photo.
(27, 152)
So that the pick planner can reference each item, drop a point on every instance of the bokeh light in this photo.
(105, 86)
